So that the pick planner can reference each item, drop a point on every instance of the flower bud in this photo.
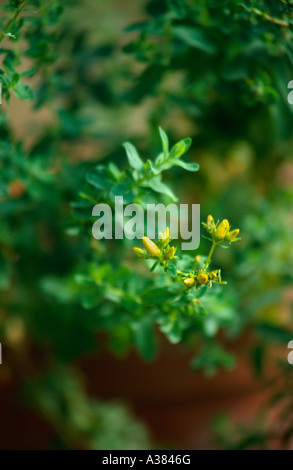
(197, 259)
(189, 282)
(139, 252)
(232, 235)
(166, 234)
(222, 230)
(169, 254)
(213, 275)
(202, 278)
(151, 247)
(210, 223)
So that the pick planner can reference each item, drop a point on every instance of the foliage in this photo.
(217, 71)
(36, 189)
(125, 301)
(232, 62)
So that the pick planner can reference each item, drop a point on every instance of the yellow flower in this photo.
(222, 230)
(202, 278)
(197, 259)
(139, 252)
(232, 235)
(189, 282)
(210, 223)
(170, 253)
(151, 247)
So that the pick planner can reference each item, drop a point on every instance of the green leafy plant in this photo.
(127, 303)
(217, 71)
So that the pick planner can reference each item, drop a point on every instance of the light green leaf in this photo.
(173, 330)
(156, 185)
(180, 148)
(165, 142)
(114, 171)
(133, 157)
(23, 92)
(156, 171)
(186, 165)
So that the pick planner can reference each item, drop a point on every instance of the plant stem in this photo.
(181, 273)
(209, 256)
(13, 20)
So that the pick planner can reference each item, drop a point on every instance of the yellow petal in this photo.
(222, 230)
(151, 247)
(232, 235)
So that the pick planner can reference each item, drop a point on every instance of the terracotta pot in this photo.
(176, 403)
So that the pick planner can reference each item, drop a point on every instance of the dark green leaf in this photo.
(195, 38)
(144, 338)
(172, 270)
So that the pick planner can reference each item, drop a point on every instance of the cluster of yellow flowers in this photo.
(162, 253)
(202, 278)
(220, 232)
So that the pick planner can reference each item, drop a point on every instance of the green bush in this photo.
(217, 71)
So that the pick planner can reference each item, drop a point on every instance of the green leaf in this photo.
(156, 185)
(14, 81)
(201, 311)
(144, 338)
(186, 165)
(172, 270)
(97, 180)
(114, 171)
(154, 266)
(201, 292)
(81, 205)
(165, 142)
(173, 330)
(133, 157)
(10, 62)
(28, 72)
(180, 148)
(123, 189)
(156, 171)
(195, 38)
(159, 295)
(23, 92)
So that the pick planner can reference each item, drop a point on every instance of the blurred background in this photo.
(72, 375)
